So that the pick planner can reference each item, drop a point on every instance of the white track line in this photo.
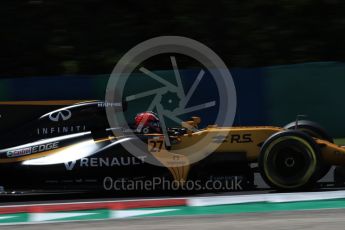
(89, 202)
(218, 200)
(273, 198)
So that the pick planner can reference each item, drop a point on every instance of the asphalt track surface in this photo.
(316, 220)
(37, 199)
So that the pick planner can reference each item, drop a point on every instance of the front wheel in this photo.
(289, 160)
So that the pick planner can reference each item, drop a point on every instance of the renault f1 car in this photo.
(72, 147)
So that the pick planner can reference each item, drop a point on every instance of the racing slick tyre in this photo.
(289, 160)
(314, 130)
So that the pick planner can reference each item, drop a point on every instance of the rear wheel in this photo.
(289, 160)
(315, 130)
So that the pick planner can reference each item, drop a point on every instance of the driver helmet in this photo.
(147, 122)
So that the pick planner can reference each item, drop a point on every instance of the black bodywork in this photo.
(87, 156)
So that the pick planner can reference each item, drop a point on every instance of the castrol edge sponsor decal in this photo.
(33, 149)
(72, 153)
(38, 147)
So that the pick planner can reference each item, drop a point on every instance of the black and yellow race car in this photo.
(68, 145)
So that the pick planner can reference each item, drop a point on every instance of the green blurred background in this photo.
(54, 37)
(286, 56)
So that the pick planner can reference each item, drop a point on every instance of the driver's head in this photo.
(147, 122)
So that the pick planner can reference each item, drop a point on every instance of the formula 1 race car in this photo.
(72, 147)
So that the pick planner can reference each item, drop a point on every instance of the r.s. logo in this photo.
(244, 138)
